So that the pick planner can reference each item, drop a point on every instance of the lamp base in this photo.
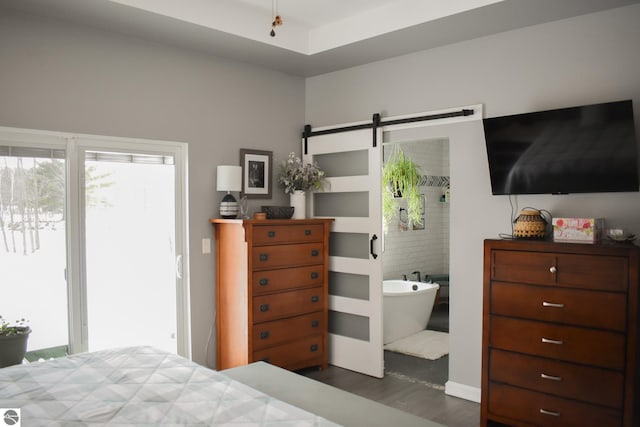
(229, 207)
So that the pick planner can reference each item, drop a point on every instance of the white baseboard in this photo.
(462, 391)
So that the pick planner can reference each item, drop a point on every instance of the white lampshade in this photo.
(229, 178)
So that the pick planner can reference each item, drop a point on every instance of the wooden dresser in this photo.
(560, 334)
(271, 292)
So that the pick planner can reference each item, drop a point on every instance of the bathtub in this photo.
(406, 307)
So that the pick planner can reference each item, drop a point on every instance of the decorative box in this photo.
(580, 230)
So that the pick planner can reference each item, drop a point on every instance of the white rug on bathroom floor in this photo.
(426, 344)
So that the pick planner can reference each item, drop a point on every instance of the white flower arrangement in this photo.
(296, 175)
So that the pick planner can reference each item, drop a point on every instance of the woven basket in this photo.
(278, 212)
(530, 224)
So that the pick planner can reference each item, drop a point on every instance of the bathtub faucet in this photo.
(418, 274)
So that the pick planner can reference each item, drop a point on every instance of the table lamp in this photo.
(229, 178)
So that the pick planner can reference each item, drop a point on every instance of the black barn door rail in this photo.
(377, 122)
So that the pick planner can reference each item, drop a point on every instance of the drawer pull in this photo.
(315, 252)
(315, 323)
(313, 348)
(264, 335)
(552, 304)
(314, 275)
(553, 269)
(548, 341)
(553, 414)
(315, 298)
(264, 257)
(264, 307)
(271, 234)
(550, 377)
(307, 232)
(264, 282)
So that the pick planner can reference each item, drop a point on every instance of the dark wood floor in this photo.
(418, 394)
(410, 384)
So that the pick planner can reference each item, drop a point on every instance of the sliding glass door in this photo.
(93, 240)
(33, 242)
(129, 206)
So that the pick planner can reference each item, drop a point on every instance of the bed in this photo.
(146, 386)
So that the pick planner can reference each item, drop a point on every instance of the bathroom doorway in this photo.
(420, 252)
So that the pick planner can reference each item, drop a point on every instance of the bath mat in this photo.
(426, 344)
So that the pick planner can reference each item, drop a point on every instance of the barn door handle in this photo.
(373, 239)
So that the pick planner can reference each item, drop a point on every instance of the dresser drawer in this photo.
(276, 234)
(268, 334)
(592, 385)
(603, 310)
(568, 343)
(608, 273)
(264, 257)
(541, 409)
(285, 304)
(306, 352)
(266, 281)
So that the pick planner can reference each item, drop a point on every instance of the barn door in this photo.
(353, 197)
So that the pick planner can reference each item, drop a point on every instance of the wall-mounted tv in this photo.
(587, 149)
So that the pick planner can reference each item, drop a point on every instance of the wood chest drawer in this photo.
(579, 382)
(560, 334)
(276, 256)
(603, 310)
(568, 343)
(277, 234)
(293, 355)
(272, 292)
(608, 273)
(265, 281)
(285, 304)
(539, 409)
(268, 334)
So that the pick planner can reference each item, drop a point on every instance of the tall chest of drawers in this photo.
(271, 292)
(560, 334)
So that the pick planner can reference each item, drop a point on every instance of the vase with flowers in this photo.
(297, 178)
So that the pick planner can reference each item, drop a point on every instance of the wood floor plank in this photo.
(414, 395)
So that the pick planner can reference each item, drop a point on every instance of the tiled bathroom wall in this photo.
(425, 250)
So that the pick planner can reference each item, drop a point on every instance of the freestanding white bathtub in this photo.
(406, 307)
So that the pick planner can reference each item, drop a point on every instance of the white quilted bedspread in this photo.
(139, 386)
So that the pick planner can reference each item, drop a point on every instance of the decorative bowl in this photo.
(278, 212)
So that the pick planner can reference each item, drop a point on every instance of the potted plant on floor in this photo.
(13, 341)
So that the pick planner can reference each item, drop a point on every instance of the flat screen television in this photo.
(587, 149)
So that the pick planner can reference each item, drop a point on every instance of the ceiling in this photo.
(318, 36)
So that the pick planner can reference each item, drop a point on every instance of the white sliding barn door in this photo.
(353, 166)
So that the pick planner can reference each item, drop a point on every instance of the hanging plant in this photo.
(400, 179)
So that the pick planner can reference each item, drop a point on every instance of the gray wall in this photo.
(588, 59)
(62, 77)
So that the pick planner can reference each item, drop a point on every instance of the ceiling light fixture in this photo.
(276, 18)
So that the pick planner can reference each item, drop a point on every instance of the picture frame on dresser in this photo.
(257, 171)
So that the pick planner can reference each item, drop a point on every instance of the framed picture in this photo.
(256, 173)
